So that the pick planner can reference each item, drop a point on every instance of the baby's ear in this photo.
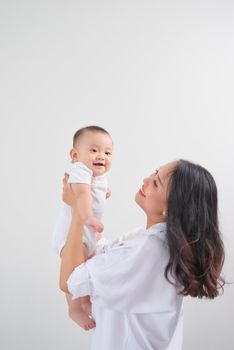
(74, 154)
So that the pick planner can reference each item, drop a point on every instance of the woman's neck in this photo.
(151, 222)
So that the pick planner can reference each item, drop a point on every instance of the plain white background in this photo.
(159, 76)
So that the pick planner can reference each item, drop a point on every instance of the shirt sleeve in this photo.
(79, 173)
(127, 278)
(79, 283)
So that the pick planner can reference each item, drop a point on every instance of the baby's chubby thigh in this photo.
(89, 239)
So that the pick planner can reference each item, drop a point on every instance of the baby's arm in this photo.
(84, 204)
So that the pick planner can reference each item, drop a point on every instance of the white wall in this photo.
(159, 76)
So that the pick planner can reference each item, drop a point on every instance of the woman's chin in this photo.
(137, 200)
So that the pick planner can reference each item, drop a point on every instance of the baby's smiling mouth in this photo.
(98, 164)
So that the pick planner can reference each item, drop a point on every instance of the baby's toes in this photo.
(91, 325)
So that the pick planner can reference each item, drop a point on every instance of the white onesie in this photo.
(79, 173)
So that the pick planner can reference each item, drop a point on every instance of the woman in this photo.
(137, 282)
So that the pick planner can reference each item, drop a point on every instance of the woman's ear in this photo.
(74, 154)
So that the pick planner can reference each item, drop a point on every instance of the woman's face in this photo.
(152, 196)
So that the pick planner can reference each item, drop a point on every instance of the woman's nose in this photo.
(145, 180)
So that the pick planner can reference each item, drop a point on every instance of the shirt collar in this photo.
(160, 227)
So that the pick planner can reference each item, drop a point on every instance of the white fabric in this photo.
(80, 173)
(134, 306)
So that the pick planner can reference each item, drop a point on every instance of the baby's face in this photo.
(94, 149)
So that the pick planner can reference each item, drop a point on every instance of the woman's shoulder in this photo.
(139, 238)
(104, 245)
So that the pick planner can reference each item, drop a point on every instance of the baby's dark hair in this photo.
(81, 131)
(194, 240)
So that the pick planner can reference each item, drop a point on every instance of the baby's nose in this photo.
(101, 156)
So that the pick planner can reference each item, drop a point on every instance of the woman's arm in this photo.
(72, 254)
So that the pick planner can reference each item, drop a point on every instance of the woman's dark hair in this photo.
(195, 245)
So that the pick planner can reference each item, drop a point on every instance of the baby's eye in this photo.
(93, 150)
(155, 183)
(108, 153)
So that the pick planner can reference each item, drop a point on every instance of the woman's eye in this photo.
(155, 183)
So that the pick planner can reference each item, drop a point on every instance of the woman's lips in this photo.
(141, 191)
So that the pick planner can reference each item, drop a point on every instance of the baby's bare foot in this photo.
(90, 325)
(82, 319)
(87, 307)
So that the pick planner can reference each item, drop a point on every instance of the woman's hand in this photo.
(68, 195)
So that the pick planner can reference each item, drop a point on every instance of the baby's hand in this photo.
(94, 224)
(99, 236)
(108, 193)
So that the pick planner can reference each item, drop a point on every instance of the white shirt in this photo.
(80, 173)
(134, 306)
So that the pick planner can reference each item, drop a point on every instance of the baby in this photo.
(91, 157)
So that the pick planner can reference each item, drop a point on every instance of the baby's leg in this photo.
(78, 315)
(86, 305)
(85, 301)
(80, 309)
